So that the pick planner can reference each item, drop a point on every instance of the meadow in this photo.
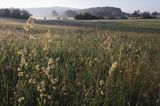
(111, 63)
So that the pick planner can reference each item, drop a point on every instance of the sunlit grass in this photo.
(78, 66)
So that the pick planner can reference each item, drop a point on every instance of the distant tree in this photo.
(14, 13)
(136, 13)
(54, 13)
(70, 13)
(145, 14)
(154, 13)
(4, 12)
(7, 12)
(24, 14)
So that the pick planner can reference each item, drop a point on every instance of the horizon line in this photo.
(77, 8)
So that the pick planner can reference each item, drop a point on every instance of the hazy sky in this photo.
(125, 5)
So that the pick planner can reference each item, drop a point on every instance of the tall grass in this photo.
(75, 66)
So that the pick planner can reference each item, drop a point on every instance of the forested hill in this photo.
(104, 11)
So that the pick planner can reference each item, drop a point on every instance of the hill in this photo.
(104, 11)
(99, 11)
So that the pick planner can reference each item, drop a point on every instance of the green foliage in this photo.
(14, 13)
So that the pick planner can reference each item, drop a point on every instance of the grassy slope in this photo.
(79, 66)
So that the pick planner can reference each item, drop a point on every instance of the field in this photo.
(94, 63)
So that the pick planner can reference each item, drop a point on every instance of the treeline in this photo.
(144, 15)
(87, 16)
(14, 13)
(107, 13)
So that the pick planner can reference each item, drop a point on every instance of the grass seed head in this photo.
(21, 74)
(21, 99)
(101, 82)
(113, 67)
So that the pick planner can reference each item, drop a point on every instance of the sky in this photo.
(125, 5)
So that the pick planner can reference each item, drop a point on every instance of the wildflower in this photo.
(113, 67)
(40, 88)
(33, 53)
(102, 93)
(21, 74)
(28, 75)
(30, 20)
(32, 37)
(29, 26)
(19, 69)
(48, 74)
(37, 67)
(21, 99)
(49, 97)
(20, 52)
(50, 62)
(26, 29)
(26, 65)
(54, 81)
(45, 48)
(101, 82)
(54, 88)
(50, 67)
(32, 81)
(43, 83)
(23, 62)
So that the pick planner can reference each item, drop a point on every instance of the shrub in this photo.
(87, 16)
